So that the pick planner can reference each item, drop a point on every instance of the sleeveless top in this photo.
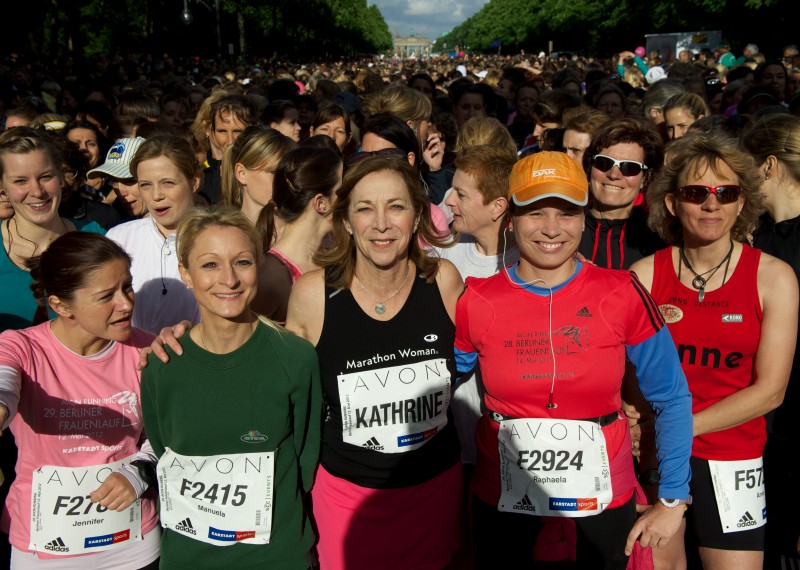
(717, 342)
(291, 267)
(387, 388)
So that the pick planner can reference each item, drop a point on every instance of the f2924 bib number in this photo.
(215, 493)
(64, 501)
(549, 460)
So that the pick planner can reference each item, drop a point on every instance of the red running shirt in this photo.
(717, 342)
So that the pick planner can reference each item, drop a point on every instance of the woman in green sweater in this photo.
(236, 421)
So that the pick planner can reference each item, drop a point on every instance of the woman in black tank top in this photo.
(381, 317)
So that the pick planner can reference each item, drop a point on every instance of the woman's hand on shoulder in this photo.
(168, 336)
(306, 311)
(450, 286)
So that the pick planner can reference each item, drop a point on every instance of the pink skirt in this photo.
(409, 528)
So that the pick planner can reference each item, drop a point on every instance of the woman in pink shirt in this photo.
(69, 391)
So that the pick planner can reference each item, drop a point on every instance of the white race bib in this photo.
(556, 468)
(217, 499)
(65, 522)
(395, 409)
(740, 495)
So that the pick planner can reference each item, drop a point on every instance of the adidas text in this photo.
(373, 443)
(185, 526)
(56, 545)
(524, 505)
(746, 520)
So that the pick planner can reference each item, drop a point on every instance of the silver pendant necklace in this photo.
(380, 306)
(699, 282)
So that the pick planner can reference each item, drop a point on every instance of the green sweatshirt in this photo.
(203, 404)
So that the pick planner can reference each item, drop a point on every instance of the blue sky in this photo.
(426, 18)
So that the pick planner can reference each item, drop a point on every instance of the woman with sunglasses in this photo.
(732, 313)
(620, 162)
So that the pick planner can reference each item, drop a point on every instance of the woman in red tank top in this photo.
(732, 313)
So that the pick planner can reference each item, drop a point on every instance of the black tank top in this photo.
(394, 378)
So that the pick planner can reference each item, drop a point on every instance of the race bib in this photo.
(217, 499)
(740, 495)
(556, 468)
(64, 522)
(395, 409)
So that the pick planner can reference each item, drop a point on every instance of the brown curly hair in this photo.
(693, 153)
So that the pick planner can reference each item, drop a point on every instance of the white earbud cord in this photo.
(551, 405)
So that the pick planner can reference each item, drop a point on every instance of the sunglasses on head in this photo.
(605, 163)
(726, 193)
(384, 152)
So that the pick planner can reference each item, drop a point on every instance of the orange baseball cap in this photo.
(548, 174)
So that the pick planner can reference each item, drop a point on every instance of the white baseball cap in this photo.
(118, 159)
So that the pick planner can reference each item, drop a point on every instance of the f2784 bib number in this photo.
(549, 460)
(212, 495)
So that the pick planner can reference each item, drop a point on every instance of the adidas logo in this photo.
(524, 505)
(56, 545)
(746, 520)
(583, 313)
(373, 443)
(186, 526)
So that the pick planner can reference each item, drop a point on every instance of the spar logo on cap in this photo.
(548, 174)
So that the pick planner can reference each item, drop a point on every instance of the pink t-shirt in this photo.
(73, 411)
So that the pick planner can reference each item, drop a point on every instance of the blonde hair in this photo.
(775, 135)
(24, 140)
(693, 154)
(485, 131)
(692, 102)
(257, 148)
(198, 220)
(202, 120)
(401, 101)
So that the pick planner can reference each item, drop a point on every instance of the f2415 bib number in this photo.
(216, 494)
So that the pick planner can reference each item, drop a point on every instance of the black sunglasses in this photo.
(605, 163)
(384, 152)
(696, 194)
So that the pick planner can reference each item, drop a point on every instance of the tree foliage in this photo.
(602, 27)
(85, 28)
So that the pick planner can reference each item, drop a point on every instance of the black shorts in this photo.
(702, 518)
(506, 540)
